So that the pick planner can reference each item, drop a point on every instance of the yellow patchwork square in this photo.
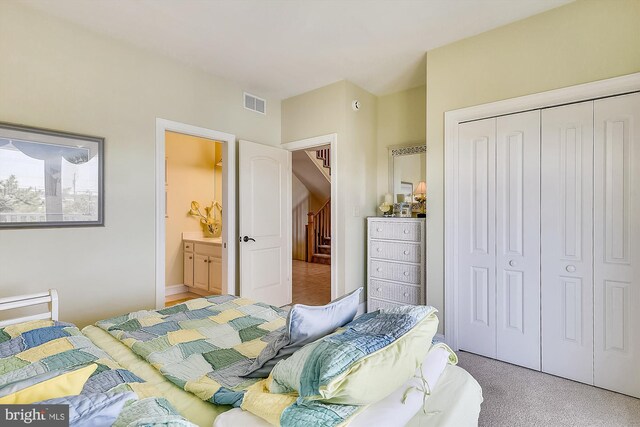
(150, 321)
(227, 316)
(204, 387)
(273, 325)
(34, 354)
(269, 406)
(184, 335)
(108, 363)
(196, 304)
(251, 349)
(129, 342)
(20, 328)
(242, 301)
(144, 390)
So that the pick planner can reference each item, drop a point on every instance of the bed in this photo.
(454, 401)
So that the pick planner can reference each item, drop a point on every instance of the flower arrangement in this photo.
(210, 224)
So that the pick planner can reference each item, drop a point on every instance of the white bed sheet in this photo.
(390, 411)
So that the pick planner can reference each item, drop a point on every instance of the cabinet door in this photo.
(188, 269)
(567, 241)
(617, 244)
(201, 272)
(518, 239)
(476, 266)
(215, 275)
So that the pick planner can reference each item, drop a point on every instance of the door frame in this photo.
(229, 247)
(567, 95)
(305, 144)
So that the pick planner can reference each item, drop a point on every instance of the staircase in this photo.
(319, 235)
(325, 156)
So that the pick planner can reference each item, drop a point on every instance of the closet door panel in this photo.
(617, 244)
(518, 239)
(476, 237)
(566, 241)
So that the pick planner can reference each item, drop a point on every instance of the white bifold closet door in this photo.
(499, 238)
(567, 241)
(617, 244)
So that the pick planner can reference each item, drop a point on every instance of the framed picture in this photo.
(50, 178)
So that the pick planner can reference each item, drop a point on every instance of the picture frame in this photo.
(50, 178)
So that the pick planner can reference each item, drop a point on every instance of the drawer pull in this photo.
(379, 289)
(190, 257)
(379, 269)
(406, 231)
(379, 249)
(406, 252)
(406, 294)
(378, 229)
(406, 273)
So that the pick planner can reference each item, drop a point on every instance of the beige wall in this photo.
(328, 110)
(584, 41)
(300, 206)
(57, 75)
(190, 165)
(401, 120)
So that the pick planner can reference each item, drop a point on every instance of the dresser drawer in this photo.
(396, 230)
(187, 246)
(211, 250)
(404, 294)
(375, 304)
(407, 252)
(406, 273)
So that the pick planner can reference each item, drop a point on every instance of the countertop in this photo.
(198, 237)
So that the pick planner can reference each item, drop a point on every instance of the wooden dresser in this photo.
(395, 262)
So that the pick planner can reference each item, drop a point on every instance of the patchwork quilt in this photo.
(40, 347)
(204, 345)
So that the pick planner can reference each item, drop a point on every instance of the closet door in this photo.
(518, 239)
(617, 244)
(476, 237)
(567, 246)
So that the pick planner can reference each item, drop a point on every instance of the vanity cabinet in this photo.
(396, 262)
(203, 265)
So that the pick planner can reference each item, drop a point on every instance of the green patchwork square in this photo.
(179, 308)
(196, 347)
(4, 336)
(145, 348)
(129, 325)
(11, 364)
(245, 322)
(223, 357)
(251, 333)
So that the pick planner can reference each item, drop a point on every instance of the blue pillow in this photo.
(305, 324)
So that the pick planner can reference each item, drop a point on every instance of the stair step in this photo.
(321, 259)
(322, 255)
(324, 249)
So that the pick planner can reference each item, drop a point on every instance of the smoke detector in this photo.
(355, 105)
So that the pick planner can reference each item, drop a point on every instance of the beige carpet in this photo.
(515, 396)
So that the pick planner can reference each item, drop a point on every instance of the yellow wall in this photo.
(190, 164)
(401, 120)
(57, 75)
(328, 110)
(584, 41)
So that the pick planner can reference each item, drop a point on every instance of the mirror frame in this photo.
(402, 150)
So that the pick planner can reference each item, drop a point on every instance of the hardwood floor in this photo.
(179, 298)
(311, 283)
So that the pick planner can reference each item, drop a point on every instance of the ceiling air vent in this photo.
(253, 103)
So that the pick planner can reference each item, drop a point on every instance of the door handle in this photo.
(571, 268)
(247, 238)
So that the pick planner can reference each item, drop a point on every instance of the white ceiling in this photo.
(280, 48)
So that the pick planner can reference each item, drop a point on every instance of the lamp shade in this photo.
(421, 188)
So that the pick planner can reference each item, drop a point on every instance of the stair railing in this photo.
(318, 229)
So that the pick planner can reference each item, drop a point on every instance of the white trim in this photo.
(175, 289)
(318, 141)
(229, 247)
(21, 301)
(582, 92)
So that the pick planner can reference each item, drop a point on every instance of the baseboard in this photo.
(175, 289)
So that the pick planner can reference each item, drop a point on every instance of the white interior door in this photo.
(476, 237)
(617, 244)
(265, 210)
(518, 239)
(567, 241)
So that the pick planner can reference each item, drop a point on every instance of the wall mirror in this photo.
(407, 172)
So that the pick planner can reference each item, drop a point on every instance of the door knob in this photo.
(512, 263)
(247, 238)
(571, 268)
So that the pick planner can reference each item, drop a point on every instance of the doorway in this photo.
(220, 258)
(314, 220)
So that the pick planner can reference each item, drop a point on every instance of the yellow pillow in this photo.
(67, 384)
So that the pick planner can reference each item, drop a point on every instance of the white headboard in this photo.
(21, 301)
